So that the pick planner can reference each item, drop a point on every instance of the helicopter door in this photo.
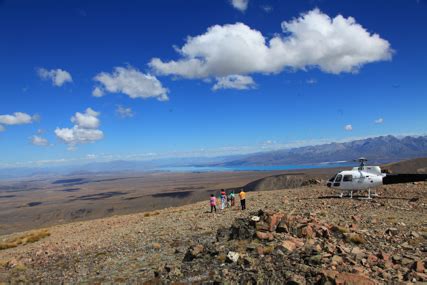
(338, 179)
(348, 182)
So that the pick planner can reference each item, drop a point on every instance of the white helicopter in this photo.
(364, 178)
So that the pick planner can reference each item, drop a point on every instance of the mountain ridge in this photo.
(377, 149)
(382, 149)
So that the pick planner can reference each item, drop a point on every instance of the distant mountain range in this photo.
(382, 149)
(378, 149)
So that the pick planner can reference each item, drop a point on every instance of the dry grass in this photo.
(150, 214)
(268, 249)
(355, 238)
(24, 239)
(222, 257)
(340, 229)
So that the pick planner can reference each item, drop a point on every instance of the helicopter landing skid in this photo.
(350, 195)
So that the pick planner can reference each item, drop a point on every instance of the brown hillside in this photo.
(303, 235)
(417, 165)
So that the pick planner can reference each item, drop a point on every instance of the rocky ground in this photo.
(296, 236)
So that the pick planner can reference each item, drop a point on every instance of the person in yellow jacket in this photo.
(242, 196)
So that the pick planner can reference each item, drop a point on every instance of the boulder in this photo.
(282, 227)
(262, 227)
(296, 280)
(233, 256)
(336, 259)
(273, 221)
(392, 231)
(354, 238)
(306, 231)
(289, 245)
(372, 259)
(241, 229)
(194, 252)
(419, 266)
(255, 219)
(264, 236)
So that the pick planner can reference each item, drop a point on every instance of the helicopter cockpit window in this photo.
(332, 178)
(338, 179)
(348, 178)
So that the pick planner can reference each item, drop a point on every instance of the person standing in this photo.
(242, 196)
(212, 201)
(232, 198)
(223, 199)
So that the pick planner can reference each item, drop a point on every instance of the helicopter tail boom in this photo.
(403, 178)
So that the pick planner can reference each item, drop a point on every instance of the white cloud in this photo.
(379, 121)
(39, 141)
(58, 76)
(240, 5)
(77, 135)
(124, 112)
(311, 81)
(239, 82)
(2, 129)
(97, 92)
(132, 82)
(87, 120)
(85, 129)
(334, 45)
(18, 118)
(348, 128)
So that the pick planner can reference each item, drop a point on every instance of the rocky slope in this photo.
(295, 236)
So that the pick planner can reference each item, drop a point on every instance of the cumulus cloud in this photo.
(58, 76)
(379, 121)
(39, 141)
(85, 129)
(313, 40)
(124, 112)
(130, 81)
(2, 129)
(348, 128)
(87, 120)
(239, 82)
(18, 118)
(240, 5)
(97, 92)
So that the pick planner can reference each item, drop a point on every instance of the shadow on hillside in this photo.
(98, 196)
(179, 195)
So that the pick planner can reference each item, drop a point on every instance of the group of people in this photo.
(227, 200)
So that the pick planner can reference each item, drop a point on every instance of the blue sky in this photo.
(205, 77)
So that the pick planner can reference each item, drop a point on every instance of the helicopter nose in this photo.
(329, 184)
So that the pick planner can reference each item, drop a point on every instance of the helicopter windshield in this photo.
(332, 178)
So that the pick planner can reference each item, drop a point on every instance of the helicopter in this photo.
(365, 177)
